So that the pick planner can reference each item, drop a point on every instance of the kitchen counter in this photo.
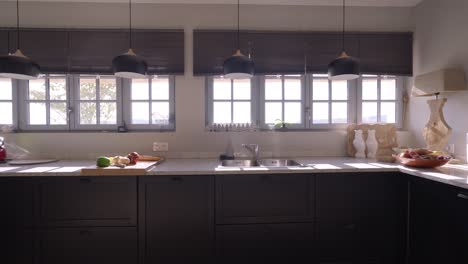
(456, 175)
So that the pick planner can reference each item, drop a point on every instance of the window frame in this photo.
(209, 101)
(24, 110)
(127, 106)
(13, 101)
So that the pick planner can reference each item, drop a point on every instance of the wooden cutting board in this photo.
(131, 170)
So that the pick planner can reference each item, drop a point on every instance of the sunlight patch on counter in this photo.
(38, 169)
(4, 169)
(442, 176)
(362, 165)
(324, 166)
(68, 169)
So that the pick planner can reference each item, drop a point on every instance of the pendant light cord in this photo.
(130, 23)
(17, 25)
(343, 32)
(238, 24)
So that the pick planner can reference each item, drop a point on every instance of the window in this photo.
(309, 101)
(46, 103)
(151, 103)
(231, 101)
(97, 102)
(379, 99)
(6, 102)
(283, 97)
(329, 101)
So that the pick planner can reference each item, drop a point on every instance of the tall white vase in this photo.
(371, 144)
(359, 144)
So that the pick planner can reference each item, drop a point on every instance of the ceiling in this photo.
(389, 3)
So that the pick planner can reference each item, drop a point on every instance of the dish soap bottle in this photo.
(371, 144)
(229, 153)
(359, 144)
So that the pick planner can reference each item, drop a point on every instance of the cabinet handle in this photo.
(463, 196)
(85, 180)
(177, 179)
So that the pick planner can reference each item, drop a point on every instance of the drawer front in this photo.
(88, 201)
(360, 197)
(264, 198)
(91, 245)
(265, 241)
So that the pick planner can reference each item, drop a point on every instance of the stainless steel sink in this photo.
(239, 163)
(278, 162)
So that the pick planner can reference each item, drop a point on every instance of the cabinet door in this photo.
(460, 215)
(360, 197)
(88, 201)
(117, 245)
(260, 243)
(264, 198)
(178, 219)
(16, 203)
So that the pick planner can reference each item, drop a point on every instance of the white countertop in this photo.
(456, 175)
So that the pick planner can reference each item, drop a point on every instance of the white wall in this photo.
(190, 138)
(441, 40)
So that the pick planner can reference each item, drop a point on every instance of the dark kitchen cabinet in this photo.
(264, 198)
(88, 201)
(177, 225)
(438, 223)
(3, 42)
(117, 245)
(361, 217)
(265, 243)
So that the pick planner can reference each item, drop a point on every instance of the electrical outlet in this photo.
(451, 148)
(160, 146)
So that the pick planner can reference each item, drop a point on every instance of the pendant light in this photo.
(344, 67)
(129, 65)
(238, 66)
(17, 65)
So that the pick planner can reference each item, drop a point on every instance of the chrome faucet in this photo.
(253, 149)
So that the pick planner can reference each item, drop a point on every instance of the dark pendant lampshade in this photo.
(18, 66)
(129, 65)
(238, 66)
(344, 68)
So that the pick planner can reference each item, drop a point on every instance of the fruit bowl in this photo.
(421, 163)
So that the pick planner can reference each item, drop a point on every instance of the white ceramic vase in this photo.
(359, 144)
(371, 144)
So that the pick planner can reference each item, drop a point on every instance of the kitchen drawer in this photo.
(116, 245)
(88, 201)
(257, 243)
(360, 197)
(358, 243)
(264, 198)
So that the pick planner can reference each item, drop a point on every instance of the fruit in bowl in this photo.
(422, 158)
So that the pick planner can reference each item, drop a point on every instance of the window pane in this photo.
(140, 113)
(6, 116)
(160, 89)
(88, 89)
(140, 90)
(292, 89)
(37, 89)
(273, 89)
(388, 89)
(339, 90)
(369, 89)
(292, 113)
(221, 89)
(160, 113)
(369, 112)
(320, 113)
(241, 112)
(242, 89)
(37, 114)
(6, 88)
(221, 112)
(58, 89)
(273, 112)
(108, 113)
(320, 89)
(107, 89)
(88, 113)
(58, 113)
(387, 113)
(339, 113)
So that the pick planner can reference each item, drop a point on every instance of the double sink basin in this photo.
(246, 163)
